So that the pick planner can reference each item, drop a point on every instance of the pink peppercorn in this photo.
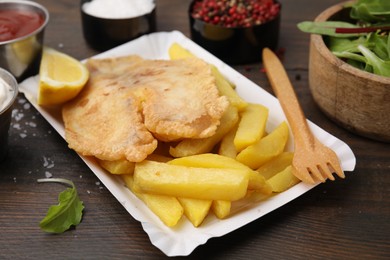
(235, 13)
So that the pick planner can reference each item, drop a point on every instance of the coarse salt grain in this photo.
(117, 9)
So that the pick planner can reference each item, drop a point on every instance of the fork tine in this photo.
(336, 168)
(334, 164)
(327, 171)
(315, 171)
(306, 178)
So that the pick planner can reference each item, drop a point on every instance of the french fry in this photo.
(210, 160)
(227, 147)
(195, 210)
(283, 180)
(118, 166)
(190, 182)
(251, 127)
(221, 208)
(167, 209)
(225, 88)
(278, 164)
(205, 145)
(266, 148)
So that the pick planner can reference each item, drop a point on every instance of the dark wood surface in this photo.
(345, 219)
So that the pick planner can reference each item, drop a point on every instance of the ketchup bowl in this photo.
(22, 25)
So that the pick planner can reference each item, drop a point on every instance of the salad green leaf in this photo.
(327, 28)
(67, 213)
(364, 41)
(380, 67)
(371, 11)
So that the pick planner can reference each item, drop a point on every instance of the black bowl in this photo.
(104, 33)
(235, 45)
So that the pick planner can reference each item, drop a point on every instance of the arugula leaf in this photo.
(380, 67)
(67, 213)
(327, 28)
(371, 11)
(380, 45)
(364, 44)
(347, 44)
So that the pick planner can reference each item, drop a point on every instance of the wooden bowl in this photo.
(357, 100)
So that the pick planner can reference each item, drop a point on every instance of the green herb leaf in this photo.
(364, 44)
(327, 28)
(371, 11)
(380, 67)
(380, 45)
(67, 213)
(346, 44)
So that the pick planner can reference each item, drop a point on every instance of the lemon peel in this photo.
(61, 77)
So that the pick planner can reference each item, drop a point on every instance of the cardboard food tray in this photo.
(182, 239)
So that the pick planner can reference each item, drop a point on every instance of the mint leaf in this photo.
(67, 213)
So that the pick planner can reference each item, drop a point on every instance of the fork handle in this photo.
(284, 91)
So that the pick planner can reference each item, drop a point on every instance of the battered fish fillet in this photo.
(129, 101)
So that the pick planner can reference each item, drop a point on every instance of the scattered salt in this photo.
(22, 135)
(17, 115)
(114, 9)
(47, 163)
(48, 175)
(26, 106)
(32, 124)
(16, 126)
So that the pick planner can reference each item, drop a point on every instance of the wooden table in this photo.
(345, 219)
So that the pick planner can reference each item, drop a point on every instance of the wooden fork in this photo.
(312, 161)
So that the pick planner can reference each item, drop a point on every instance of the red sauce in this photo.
(18, 23)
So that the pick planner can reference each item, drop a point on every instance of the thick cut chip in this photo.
(167, 208)
(266, 148)
(190, 182)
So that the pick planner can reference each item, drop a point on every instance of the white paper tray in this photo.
(184, 238)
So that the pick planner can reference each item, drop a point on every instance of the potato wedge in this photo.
(277, 164)
(118, 166)
(283, 180)
(251, 127)
(225, 87)
(221, 208)
(195, 210)
(266, 148)
(227, 147)
(205, 145)
(190, 182)
(168, 209)
(210, 160)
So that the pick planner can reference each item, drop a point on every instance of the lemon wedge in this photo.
(61, 77)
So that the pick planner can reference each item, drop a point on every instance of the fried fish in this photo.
(130, 103)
